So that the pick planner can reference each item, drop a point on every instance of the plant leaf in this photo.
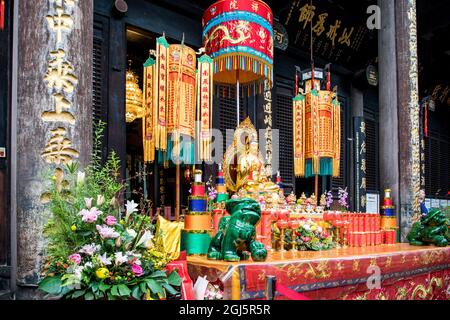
(103, 287)
(154, 286)
(124, 291)
(51, 285)
(174, 279)
(136, 293)
(143, 286)
(78, 294)
(115, 291)
(158, 274)
(89, 296)
(170, 289)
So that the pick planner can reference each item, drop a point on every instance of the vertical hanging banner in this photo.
(148, 120)
(160, 100)
(204, 105)
(299, 135)
(360, 165)
(336, 137)
(268, 122)
(181, 102)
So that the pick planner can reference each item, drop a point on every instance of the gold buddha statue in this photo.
(251, 173)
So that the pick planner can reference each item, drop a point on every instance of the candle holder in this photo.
(293, 225)
(282, 224)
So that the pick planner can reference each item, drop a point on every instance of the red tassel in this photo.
(2, 15)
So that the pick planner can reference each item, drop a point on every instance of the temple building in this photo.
(65, 65)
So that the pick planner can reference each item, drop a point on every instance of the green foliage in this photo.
(96, 251)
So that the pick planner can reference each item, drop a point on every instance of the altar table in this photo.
(406, 272)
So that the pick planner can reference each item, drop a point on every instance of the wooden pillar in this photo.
(357, 106)
(43, 48)
(408, 112)
(388, 108)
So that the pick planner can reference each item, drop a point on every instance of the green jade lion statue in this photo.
(235, 239)
(431, 229)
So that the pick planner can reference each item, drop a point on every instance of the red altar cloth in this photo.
(407, 273)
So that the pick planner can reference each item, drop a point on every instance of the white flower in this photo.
(120, 258)
(107, 232)
(100, 200)
(81, 178)
(113, 202)
(307, 227)
(78, 271)
(320, 229)
(146, 239)
(88, 202)
(132, 233)
(90, 249)
(131, 254)
(104, 260)
(131, 207)
(88, 265)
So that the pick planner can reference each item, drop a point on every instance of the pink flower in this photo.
(137, 270)
(306, 239)
(91, 215)
(110, 220)
(75, 258)
(107, 233)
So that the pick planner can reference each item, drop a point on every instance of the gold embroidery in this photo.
(426, 293)
(388, 262)
(402, 293)
(320, 272)
(356, 266)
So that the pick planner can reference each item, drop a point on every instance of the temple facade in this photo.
(64, 67)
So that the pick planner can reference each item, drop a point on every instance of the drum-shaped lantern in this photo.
(238, 35)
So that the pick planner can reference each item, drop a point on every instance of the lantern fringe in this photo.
(243, 62)
(184, 149)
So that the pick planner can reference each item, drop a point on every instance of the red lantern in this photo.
(238, 35)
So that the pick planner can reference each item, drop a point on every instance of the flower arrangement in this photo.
(212, 193)
(329, 200)
(96, 251)
(311, 236)
(343, 199)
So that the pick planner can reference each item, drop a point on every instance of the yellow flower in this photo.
(313, 228)
(73, 228)
(122, 222)
(102, 273)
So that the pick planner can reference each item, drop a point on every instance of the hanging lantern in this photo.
(238, 35)
(316, 127)
(134, 108)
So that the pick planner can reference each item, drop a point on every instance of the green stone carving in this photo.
(431, 229)
(235, 239)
